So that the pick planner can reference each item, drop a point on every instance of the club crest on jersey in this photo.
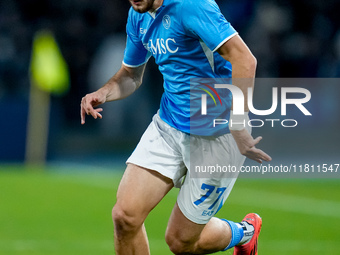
(166, 21)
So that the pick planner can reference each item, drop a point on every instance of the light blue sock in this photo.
(237, 234)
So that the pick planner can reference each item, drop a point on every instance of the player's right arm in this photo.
(126, 81)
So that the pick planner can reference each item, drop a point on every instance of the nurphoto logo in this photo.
(238, 104)
(204, 98)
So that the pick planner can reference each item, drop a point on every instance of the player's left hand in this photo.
(246, 144)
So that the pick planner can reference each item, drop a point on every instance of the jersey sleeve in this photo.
(203, 18)
(135, 53)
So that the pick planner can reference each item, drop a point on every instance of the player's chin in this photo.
(140, 9)
(140, 6)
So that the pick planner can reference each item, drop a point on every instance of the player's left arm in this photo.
(243, 73)
(243, 64)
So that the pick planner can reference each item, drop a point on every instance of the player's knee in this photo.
(125, 221)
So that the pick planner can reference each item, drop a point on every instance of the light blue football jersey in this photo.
(183, 36)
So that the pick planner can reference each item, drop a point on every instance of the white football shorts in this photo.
(205, 187)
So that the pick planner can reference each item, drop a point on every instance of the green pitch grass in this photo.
(56, 211)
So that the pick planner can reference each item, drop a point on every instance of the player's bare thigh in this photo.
(140, 190)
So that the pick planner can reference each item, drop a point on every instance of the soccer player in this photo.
(188, 39)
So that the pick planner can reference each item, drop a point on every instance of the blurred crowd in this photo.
(290, 38)
(79, 27)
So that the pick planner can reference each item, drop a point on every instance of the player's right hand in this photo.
(88, 104)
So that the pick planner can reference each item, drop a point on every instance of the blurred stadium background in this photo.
(64, 207)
